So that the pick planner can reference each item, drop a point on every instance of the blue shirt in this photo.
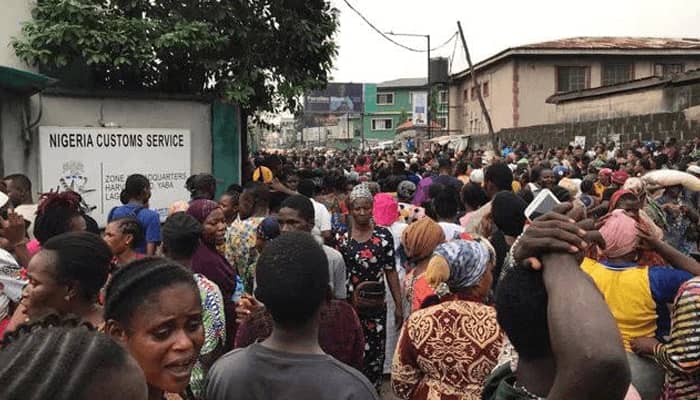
(148, 219)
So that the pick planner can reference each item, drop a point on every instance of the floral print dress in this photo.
(368, 261)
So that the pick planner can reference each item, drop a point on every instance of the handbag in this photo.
(369, 298)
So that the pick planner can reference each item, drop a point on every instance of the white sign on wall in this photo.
(95, 162)
(580, 141)
(420, 108)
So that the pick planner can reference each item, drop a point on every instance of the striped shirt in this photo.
(680, 357)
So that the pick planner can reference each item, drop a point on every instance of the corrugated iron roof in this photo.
(403, 82)
(608, 42)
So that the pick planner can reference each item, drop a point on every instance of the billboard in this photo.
(420, 108)
(95, 162)
(336, 98)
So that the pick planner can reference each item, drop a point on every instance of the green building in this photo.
(390, 104)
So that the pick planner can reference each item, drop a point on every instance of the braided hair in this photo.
(57, 358)
(131, 226)
(83, 257)
(133, 284)
(55, 214)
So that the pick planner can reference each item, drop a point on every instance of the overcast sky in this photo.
(490, 26)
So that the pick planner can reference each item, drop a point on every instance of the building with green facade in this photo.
(389, 104)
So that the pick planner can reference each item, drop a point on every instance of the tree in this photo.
(262, 54)
(403, 117)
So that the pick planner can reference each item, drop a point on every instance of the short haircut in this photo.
(446, 202)
(57, 358)
(260, 192)
(134, 187)
(181, 233)
(473, 195)
(302, 205)
(82, 257)
(307, 187)
(132, 285)
(131, 226)
(20, 180)
(521, 310)
(292, 277)
(500, 175)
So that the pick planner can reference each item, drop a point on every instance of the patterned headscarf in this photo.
(269, 228)
(360, 191)
(467, 262)
(406, 190)
(200, 209)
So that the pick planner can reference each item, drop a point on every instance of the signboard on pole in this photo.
(95, 163)
(420, 108)
(337, 97)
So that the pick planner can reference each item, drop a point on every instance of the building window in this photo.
(485, 89)
(382, 124)
(385, 99)
(616, 73)
(443, 97)
(465, 95)
(572, 78)
(442, 121)
(474, 93)
(667, 70)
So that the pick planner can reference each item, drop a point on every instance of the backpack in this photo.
(133, 214)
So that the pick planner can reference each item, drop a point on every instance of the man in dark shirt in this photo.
(445, 175)
(292, 277)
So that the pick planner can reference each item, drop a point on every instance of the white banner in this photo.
(580, 141)
(420, 108)
(95, 162)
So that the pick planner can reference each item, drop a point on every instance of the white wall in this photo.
(126, 113)
(12, 14)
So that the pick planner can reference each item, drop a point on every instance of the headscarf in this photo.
(385, 210)
(360, 191)
(605, 172)
(620, 233)
(406, 190)
(616, 198)
(477, 176)
(466, 261)
(620, 177)
(420, 239)
(200, 209)
(635, 185)
(269, 228)
(262, 174)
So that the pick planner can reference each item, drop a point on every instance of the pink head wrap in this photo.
(620, 234)
(386, 209)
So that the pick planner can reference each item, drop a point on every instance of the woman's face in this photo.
(214, 228)
(246, 205)
(292, 182)
(361, 210)
(165, 335)
(630, 204)
(117, 241)
(230, 206)
(44, 292)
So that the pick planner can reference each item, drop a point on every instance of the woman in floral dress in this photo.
(368, 251)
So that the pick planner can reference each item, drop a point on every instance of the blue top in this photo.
(148, 219)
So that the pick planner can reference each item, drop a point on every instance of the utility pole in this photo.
(475, 84)
(362, 132)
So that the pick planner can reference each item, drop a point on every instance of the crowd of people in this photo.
(350, 274)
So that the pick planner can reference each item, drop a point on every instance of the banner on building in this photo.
(420, 108)
(95, 163)
(580, 141)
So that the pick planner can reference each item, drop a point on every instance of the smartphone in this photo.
(543, 203)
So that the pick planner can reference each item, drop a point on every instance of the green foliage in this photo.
(403, 117)
(262, 54)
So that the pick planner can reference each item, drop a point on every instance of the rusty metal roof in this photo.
(591, 42)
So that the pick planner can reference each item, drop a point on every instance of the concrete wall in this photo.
(657, 126)
(615, 106)
(126, 113)
(13, 13)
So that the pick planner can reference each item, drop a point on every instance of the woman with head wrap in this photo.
(419, 241)
(451, 338)
(208, 262)
(636, 293)
(368, 251)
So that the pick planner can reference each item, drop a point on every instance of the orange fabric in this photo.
(421, 291)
